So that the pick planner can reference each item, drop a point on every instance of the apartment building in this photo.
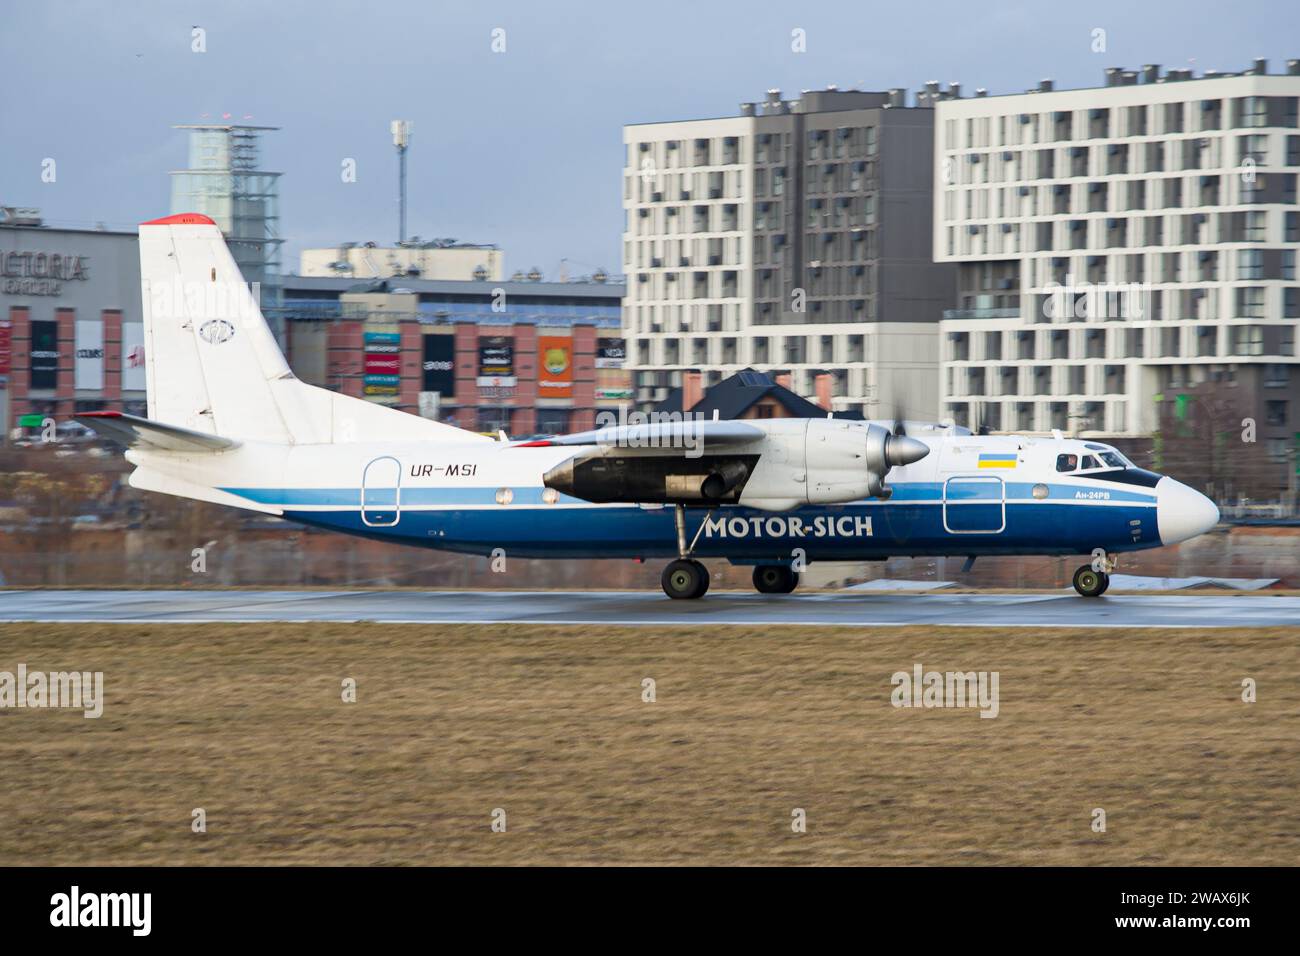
(1118, 246)
(793, 239)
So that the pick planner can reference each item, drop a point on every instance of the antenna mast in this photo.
(401, 130)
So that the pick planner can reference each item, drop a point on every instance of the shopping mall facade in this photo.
(524, 357)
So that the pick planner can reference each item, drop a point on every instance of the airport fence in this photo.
(282, 557)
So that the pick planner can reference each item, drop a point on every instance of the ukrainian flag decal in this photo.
(998, 461)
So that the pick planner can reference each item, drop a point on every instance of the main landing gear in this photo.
(685, 578)
(775, 579)
(1092, 580)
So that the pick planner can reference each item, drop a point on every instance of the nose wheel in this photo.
(1091, 583)
(684, 579)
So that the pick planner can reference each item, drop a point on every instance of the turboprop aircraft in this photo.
(228, 422)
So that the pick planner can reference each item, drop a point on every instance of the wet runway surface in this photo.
(1043, 609)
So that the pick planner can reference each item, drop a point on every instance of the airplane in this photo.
(229, 422)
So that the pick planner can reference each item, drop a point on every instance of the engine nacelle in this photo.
(615, 474)
(797, 461)
(845, 460)
(828, 461)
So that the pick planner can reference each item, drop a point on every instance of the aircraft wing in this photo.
(775, 465)
(659, 435)
(135, 432)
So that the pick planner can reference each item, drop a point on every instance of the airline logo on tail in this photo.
(216, 331)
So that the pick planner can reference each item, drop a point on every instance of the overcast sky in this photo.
(521, 148)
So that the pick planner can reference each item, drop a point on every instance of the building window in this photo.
(1256, 227)
(1250, 302)
(1254, 111)
(1275, 412)
(552, 421)
(493, 419)
(1248, 340)
(1250, 264)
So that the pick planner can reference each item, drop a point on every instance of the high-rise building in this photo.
(793, 238)
(224, 183)
(1118, 248)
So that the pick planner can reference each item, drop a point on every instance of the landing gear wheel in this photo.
(1091, 583)
(685, 579)
(775, 579)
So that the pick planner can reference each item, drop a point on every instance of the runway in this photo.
(1038, 610)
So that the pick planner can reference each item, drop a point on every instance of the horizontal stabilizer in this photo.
(136, 432)
(659, 435)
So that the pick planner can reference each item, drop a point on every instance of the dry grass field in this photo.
(547, 723)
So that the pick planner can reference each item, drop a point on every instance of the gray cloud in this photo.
(521, 148)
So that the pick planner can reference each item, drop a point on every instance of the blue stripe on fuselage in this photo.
(414, 496)
(1073, 519)
(846, 532)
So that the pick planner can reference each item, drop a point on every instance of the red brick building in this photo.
(71, 329)
(523, 357)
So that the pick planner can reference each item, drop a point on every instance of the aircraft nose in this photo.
(1182, 512)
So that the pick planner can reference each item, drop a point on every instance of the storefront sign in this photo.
(133, 374)
(555, 371)
(40, 273)
(439, 368)
(88, 369)
(496, 361)
(44, 356)
(382, 361)
(611, 353)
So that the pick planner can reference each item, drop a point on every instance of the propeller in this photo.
(902, 450)
(888, 449)
(896, 449)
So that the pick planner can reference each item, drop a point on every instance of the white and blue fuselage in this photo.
(971, 495)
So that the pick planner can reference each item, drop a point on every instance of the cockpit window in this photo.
(1114, 459)
(1090, 461)
(1067, 462)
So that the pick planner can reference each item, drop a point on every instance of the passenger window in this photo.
(1067, 462)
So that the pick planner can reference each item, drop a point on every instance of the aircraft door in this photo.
(381, 493)
(974, 505)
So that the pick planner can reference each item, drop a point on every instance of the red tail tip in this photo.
(181, 219)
